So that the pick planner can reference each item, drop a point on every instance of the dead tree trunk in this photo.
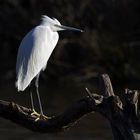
(122, 116)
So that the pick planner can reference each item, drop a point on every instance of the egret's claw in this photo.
(41, 117)
(38, 116)
(35, 114)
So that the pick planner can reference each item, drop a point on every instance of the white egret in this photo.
(34, 52)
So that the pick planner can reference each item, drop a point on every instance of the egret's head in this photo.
(55, 25)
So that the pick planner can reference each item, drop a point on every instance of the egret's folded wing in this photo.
(23, 56)
(33, 54)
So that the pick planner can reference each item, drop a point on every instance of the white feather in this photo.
(33, 54)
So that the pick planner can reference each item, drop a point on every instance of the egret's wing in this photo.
(33, 54)
(24, 51)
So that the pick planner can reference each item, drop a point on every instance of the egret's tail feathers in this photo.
(22, 84)
(19, 86)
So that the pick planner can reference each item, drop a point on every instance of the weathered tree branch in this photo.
(22, 116)
(122, 115)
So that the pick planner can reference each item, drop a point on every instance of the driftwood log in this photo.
(122, 115)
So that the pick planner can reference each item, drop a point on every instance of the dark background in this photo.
(110, 44)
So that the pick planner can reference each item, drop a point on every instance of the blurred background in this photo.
(110, 44)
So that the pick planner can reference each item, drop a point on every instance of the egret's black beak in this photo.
(69, 28)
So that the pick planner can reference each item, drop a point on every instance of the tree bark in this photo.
(122, 115)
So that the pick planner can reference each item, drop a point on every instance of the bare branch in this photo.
(108, 86)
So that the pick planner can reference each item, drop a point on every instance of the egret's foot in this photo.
(41, 117)
(35, 114)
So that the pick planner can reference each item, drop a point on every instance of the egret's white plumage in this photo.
(35, 50)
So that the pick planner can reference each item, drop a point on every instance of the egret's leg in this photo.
(37, 85)
(32, 101)
(32, 104)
